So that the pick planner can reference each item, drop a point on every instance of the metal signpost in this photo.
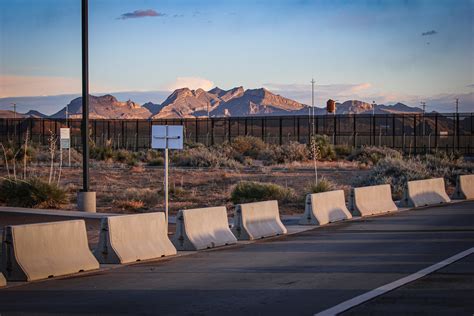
(166, 137)
(65, 142)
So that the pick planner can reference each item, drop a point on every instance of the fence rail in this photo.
(412, 133)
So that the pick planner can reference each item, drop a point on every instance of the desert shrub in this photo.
(395, 172)
(102, 153)
(370, 155)
(150, 155)
(248, 146)
(323, 185)
(31, 193)
(294, 151)
(251, 191)
(325, 150)
(127, 157)
(137, 199)
(156, 162)
(203, 157)
(343, 151)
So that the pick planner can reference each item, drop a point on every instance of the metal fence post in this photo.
(414, 133)
(281, 131)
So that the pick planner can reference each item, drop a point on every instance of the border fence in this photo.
(412, 133)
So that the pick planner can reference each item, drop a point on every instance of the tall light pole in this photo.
(312, 102)
(86, 199)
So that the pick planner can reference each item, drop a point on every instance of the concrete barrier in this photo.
(372, 200)
(202, 228)
(257, 220)
(131, 238)
(3, 281)
(464, 187)
(38, 251)
(425, 192)
(325, 207)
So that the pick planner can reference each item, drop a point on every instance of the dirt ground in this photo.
(191, 188)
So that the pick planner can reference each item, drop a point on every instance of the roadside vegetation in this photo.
(32, 176)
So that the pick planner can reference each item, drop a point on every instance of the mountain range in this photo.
(187, 103)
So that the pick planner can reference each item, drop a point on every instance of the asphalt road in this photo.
(300, 274)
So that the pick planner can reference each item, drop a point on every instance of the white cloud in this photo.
(191, 83)
(14, 86)
(33, 86)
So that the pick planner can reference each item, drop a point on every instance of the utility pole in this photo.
(423, 104)
(312, 102)
(457, 105)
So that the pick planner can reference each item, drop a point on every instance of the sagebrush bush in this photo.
(370, 155)
(203, 157)
(397, 171)
(251, 191)
(137, 199)
(248, 146)
(31, 193)
(294, 151)
(323, 185)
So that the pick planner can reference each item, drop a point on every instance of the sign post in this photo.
(166, 137)
(65, 142)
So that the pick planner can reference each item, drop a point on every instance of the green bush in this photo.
(31, 193)
(156, 162)
(102, 153)
(370, 155)
(343, 151)
(324, 148)
(323, 185)
(397, 171)
(294, 151)
(199, 157)
(248, 146)
(251, 191)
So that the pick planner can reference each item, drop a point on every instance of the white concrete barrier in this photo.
(257, 220)
(372, 200)
(131, 238)
(464, 187)
(325, 207)
(202, 228)
(38, 251)
(425, 192)
(3, 281)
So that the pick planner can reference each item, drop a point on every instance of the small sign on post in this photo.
(65, 141)
(166, 137)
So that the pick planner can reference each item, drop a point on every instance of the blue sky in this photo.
(354, 49)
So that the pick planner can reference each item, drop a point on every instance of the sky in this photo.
(383, 50)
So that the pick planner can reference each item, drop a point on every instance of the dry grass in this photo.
(125, 189)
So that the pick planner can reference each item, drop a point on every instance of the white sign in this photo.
(167, 136)
(65, 138)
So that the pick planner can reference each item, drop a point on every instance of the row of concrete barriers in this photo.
(39, 251)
